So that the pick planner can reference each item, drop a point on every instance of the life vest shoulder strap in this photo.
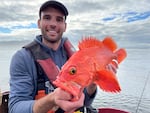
(69, 48)
(36, 51)
(42, 58)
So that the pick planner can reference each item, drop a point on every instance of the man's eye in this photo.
(47, 17)
(60, 19)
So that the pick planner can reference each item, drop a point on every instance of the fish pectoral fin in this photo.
(107, 81)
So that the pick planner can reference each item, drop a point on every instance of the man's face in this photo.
(52, 24)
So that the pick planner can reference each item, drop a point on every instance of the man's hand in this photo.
(113, 66)
(63, 100)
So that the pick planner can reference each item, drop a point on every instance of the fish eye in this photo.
(72, 70)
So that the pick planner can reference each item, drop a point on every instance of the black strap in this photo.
(4, 104)
(40, 77)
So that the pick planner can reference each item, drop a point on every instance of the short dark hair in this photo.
(54, 4)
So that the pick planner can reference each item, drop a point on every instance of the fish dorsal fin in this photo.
(110, 43)
(88, 42)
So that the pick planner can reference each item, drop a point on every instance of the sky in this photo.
(117, 18)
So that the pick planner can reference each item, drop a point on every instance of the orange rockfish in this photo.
(88, 65)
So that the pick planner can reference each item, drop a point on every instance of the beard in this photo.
(48, 39)
(52, 40)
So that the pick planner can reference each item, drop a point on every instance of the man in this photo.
(24, 68)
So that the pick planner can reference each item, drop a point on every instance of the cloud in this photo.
(129, 16)
(120, 19)
(13, 10)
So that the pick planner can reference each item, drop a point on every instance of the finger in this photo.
(115, 62)
(69, 105)
(62, 95)
(112, 68)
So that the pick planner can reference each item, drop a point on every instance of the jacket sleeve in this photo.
(89, 99)
(22, 83)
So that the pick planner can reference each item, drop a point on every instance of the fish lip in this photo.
(73, 88)
(76, 90)
(76, 84)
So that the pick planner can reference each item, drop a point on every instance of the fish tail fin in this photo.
(121, 54)
(107, 81)
(110, 43)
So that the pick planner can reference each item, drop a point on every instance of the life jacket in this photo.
(4, 97)
(45, 65)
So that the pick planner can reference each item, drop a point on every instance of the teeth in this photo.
(52, 31)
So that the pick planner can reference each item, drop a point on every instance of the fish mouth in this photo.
(75, 84)
(74, 88)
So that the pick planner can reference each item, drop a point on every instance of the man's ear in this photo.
(65, 27)
(39, 24)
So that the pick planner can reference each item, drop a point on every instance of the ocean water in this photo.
(133, 75)
(7, 49)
